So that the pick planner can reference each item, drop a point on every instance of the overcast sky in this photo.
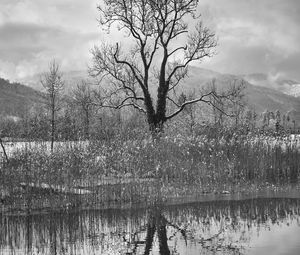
(253, 35)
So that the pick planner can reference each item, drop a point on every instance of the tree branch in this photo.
(182, 106)
(129, 65)
(120, 106)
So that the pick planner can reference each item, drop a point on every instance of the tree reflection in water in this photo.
(157, 223)
(208, 227)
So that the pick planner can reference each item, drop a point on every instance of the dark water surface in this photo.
(251, 226)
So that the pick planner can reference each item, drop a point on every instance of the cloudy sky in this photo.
(253, 35)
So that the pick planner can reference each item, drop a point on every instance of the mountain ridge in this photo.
(259, 96)
(16, 99)
(282, 84)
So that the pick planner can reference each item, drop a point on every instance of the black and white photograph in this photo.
(149, 127)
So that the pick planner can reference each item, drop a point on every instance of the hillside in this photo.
(259, 98)
(16, 99)
(261, 93)
(71, 79)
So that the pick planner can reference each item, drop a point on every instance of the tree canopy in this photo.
(163, 46)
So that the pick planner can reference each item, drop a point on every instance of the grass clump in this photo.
(133, 170)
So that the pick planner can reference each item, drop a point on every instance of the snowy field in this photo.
(12, 147)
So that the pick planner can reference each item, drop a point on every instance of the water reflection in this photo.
(219, 227)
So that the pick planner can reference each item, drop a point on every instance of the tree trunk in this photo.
(52, 128)
(87, 124)
(157, 223)
(161, 107)
(156, 126)
(4, 151)
(162, 236)
(150, 235)
(162, 93)
(155, 121)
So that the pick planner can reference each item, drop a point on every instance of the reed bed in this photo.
(127, 171)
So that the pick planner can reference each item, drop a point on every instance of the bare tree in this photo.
(189, 111)
(53, 85)
(217, 105)
(157, 59)
(237, 103)
(227, 101)
(82, 96)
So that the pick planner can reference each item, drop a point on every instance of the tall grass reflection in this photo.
(218, 226)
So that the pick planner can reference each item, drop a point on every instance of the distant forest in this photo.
(24, 115)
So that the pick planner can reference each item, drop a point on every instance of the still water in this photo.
(251, 226)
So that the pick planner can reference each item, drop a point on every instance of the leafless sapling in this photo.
(83, 98)
(53, 84)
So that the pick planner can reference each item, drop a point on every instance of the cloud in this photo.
(290, 65)
(23, 41)
(33, 32)
(254, 36)
(71, 14)
(30, 47)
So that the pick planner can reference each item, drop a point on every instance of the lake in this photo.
(258, 225)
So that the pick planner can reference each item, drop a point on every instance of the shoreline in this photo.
(252, 191)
